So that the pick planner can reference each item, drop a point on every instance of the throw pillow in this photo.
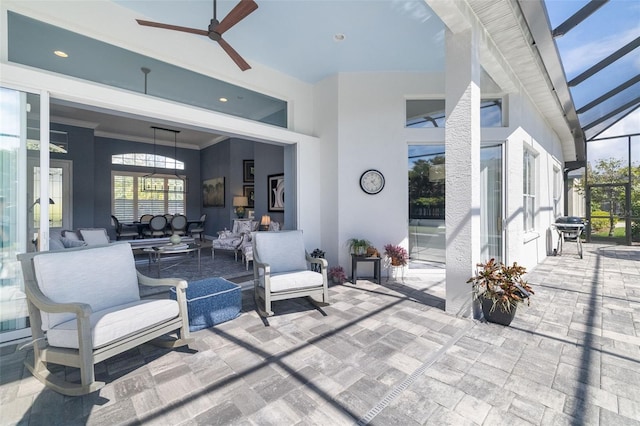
(56, 244)
(274, 226)
(71, 235)
(69, 243)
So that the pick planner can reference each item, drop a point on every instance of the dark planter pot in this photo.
(498, 316)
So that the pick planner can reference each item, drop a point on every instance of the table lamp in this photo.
(240, 203)
(265, 222)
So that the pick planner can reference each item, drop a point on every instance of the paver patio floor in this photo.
(383, 355)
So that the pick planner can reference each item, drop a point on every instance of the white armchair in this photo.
(85, 306)
(281, 270)
(231, 240)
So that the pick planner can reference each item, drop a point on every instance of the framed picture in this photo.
(247, 166)
(213, 192)
(276, 192)
(248, 191)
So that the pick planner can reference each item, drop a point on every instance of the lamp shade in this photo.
(240, 202)
(266, 220)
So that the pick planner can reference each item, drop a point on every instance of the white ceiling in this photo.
(295, 37)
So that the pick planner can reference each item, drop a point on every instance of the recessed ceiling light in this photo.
(339, 37)
(223, 99)
(60, 53)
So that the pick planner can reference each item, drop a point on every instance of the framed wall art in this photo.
(213, 192)
(276, 192)
(249, 192)
(248, 167)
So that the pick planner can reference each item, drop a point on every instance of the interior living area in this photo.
(454, 133)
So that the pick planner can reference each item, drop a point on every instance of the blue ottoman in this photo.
(210, 302)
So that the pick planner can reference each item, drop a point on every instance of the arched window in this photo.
(140, 159)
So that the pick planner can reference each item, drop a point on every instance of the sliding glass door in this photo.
(427, 202)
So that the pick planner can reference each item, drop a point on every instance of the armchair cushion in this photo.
(283, 254)
(294, 281)
(115, 322)
(102, 284)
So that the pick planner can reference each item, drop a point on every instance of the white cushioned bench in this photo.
(86, 302)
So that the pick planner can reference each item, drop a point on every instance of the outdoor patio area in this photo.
(384, 355)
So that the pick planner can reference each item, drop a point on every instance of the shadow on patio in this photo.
(384, 354)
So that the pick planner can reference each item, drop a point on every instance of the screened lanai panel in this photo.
(616, 74)
(597, 129)
(602, 95)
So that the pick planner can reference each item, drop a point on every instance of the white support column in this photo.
(462, 147)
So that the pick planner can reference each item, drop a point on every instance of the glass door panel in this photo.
(14, 321)
(59, 195)
(427, 202)
(491, 201)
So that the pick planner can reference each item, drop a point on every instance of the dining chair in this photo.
(198, 227)
(178, 225)
(123, 231)
(157, 227)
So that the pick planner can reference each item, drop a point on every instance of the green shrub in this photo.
(601, 223)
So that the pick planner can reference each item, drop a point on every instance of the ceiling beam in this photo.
(616, 111)
(605, 62)
(609, 94)
(578, 17)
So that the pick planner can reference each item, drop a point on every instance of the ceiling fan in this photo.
(216, 28)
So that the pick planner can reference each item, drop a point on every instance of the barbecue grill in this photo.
(569, 228)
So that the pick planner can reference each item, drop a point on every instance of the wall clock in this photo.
(372, 181)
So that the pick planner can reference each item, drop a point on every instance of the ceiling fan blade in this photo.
(237, 14)
(235, 56)
(172, 27)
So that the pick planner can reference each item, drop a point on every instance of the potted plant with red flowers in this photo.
(397, 254)
(337, 274)
(500, 289)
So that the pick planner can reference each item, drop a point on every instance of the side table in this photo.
(355, 259)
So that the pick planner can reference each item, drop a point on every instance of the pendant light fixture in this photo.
(155, 182)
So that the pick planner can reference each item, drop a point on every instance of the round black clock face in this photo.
(372, 181)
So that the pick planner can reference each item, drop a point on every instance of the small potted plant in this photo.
(397, 254)
(337, 274)
(358, 246)
(500, 289)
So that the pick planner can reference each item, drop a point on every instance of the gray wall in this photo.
(81, 151)
(225, 159)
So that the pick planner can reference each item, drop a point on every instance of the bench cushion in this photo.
(103, 277)
(115, 323)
